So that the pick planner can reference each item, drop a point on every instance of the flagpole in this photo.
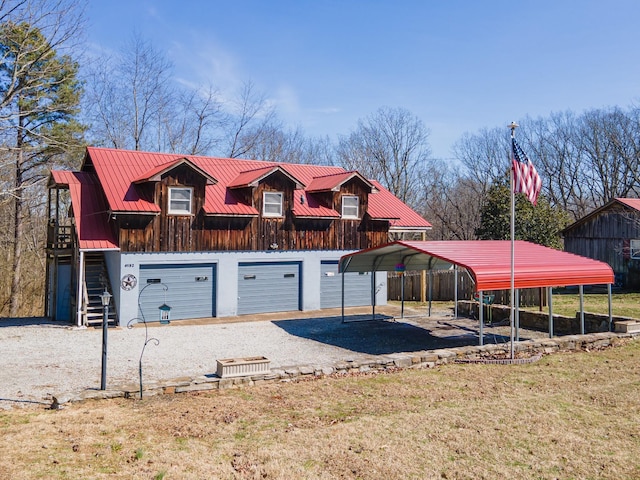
(513, 127)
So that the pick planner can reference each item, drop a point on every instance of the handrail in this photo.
(60, 237)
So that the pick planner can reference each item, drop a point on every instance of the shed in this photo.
(610, 234)
(489, 265)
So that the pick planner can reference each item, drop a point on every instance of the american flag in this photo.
(525, 177)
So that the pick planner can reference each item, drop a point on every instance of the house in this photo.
(611, 234)
(211, 237)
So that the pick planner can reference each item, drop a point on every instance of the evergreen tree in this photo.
(539, 223)
(39, 99)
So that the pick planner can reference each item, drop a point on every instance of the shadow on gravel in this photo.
(30, 321)
(30, 402)
(377, 337)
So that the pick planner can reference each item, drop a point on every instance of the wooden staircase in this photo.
(96, 280)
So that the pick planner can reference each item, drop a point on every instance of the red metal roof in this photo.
(335, 181)
(117, 170)
(385, 205)
(311, 207)
(488, 261)
(630, 202)
(90, 210)
(156, 172)
(253, 177)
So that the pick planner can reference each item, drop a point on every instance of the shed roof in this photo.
(488, 262)
(90, 210)
(628, 203)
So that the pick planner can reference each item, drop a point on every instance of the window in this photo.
(272, 204)
(180, 201)
(350, 205)
(634, 246)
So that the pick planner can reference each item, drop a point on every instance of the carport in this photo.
(488, 263)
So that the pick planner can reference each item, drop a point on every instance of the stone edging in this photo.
(424, 359)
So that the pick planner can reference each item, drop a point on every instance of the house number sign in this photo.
(128, 282)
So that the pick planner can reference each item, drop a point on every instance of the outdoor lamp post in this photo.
(105, 297)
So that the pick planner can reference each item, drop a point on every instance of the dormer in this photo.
(177, 187)
(269, 189)
(347, 193)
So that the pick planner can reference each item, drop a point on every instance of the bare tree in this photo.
(251, 122)
(39, 98)
(127, 94)
(484, 156)
(134, 103)
(451, 202)
(391, 146)
(189, 123)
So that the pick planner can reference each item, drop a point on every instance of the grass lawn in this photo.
(567, 416)
(623, 304)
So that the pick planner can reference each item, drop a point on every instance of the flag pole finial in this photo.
(513, 126)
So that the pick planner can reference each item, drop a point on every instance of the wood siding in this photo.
(198, 232)
(605, 237)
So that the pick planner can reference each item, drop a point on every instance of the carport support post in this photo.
(342, 296)
(430, 290)
(581, 292)
(402, 295)
(610, 309)
(481, 317)
(373, 293)
(550, 301)
(517, 314)
(455, 291)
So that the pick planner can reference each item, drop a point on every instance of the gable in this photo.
(156, 174)
(618, 218)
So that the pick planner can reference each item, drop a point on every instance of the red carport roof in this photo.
(488, 262)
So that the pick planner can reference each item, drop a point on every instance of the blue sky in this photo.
(459, 66)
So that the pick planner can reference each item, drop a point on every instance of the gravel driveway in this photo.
(39, 359)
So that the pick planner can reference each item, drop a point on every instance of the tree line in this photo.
(54, 101)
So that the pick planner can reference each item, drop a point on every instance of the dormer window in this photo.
(272, 204)
(180, 200)
(350, 206)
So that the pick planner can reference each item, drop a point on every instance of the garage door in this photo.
(191, 290)
(357, 287)
(268, 287)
